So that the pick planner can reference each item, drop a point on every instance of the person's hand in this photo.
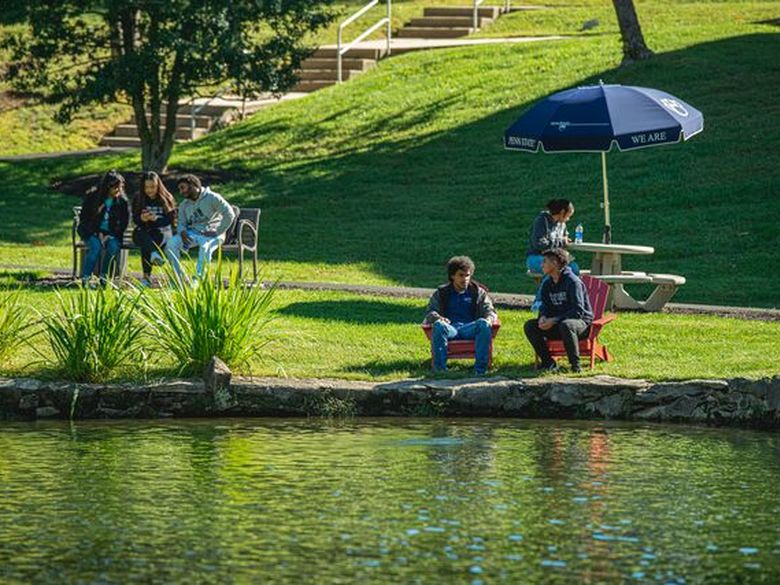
(444, 320)
(185, 238)
(147, 215)
(546, 323)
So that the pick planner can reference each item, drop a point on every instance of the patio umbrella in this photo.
(593, 118)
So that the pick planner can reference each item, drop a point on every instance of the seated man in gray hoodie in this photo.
(204, 218)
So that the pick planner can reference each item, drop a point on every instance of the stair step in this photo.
(182, 132)
(448, 21)
(210, 110)
(312, 85)
(327, 74)
(181, 120)
(486, 11)
(121, 141)
(433, 33)
(330, 63)
(331, 53)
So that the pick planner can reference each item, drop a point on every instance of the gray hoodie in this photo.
(209, 215)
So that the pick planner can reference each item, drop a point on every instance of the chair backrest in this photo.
(598, 292)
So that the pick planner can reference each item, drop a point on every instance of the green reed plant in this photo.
(193, 324)
(13, 321)
(93, 333)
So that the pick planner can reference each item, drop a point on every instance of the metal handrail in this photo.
(475, 20)
(386, 20)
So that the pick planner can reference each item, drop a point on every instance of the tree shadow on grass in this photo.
(364, 312)
(405, 201)
(421, 368)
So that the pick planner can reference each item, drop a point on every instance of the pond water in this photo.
(387, 500)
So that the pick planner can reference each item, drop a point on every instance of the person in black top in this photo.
(565, 312)
(102, 223)
(154, 214)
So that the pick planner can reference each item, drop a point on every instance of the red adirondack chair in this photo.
(597, 293)
(463, 348)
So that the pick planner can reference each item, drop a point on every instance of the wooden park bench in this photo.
(242, 236)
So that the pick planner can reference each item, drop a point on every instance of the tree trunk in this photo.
(634, 47)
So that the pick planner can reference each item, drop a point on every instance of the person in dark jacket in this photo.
(154, 215)
(548, 232)
(565, 314)
(461, 309)
(102, 224)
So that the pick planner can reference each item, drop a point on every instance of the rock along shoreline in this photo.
(734, 402)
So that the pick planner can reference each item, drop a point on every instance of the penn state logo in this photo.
(674, 106)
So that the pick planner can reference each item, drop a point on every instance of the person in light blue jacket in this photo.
(203, 221)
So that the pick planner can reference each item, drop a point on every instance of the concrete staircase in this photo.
(448, 22)
(321, 69)
(209, 114)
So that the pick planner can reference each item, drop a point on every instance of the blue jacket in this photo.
(566, 299)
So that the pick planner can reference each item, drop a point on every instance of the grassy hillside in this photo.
(382, 179)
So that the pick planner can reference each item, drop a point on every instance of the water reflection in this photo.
(393, 500)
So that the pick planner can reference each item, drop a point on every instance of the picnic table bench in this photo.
(241, 237)
(607, 266)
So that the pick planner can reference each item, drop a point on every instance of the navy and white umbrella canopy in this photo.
(594, 118)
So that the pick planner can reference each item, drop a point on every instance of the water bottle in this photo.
(578, 234)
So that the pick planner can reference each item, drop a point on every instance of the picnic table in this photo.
(607, 266)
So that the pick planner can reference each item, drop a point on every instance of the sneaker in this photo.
(549, 368)
(145, 283)
(156, 259)
(576, 369)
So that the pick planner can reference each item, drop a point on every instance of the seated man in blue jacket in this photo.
(461, 309)
(565, 313)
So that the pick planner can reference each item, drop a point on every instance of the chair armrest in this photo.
(605, 319)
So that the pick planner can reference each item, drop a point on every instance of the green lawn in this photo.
(330, 334)
(382, 179)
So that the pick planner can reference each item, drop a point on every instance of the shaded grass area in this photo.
(382, 179)
(331, 334)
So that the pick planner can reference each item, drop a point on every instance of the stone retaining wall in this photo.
(742, 402)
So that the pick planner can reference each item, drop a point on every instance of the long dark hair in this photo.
(109, 180)
(555, 206)
(168, 202)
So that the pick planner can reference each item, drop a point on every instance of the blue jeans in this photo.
(207, 245)
(534, 263)
(479, 330)
(94, 247)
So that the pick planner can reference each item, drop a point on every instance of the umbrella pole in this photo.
(607, 222)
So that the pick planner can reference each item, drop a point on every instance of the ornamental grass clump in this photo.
(13, 321)
(193, 324)
(92, 334)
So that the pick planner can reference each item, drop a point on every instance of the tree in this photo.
(149, 52)
(634, 47)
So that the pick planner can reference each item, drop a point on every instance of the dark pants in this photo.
(569, 330)
(149, 240)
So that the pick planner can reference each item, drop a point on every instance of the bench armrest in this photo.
(243, 225)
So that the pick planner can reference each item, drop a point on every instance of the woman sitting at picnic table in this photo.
(102, 223)
(548, 232)
(154, 214)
